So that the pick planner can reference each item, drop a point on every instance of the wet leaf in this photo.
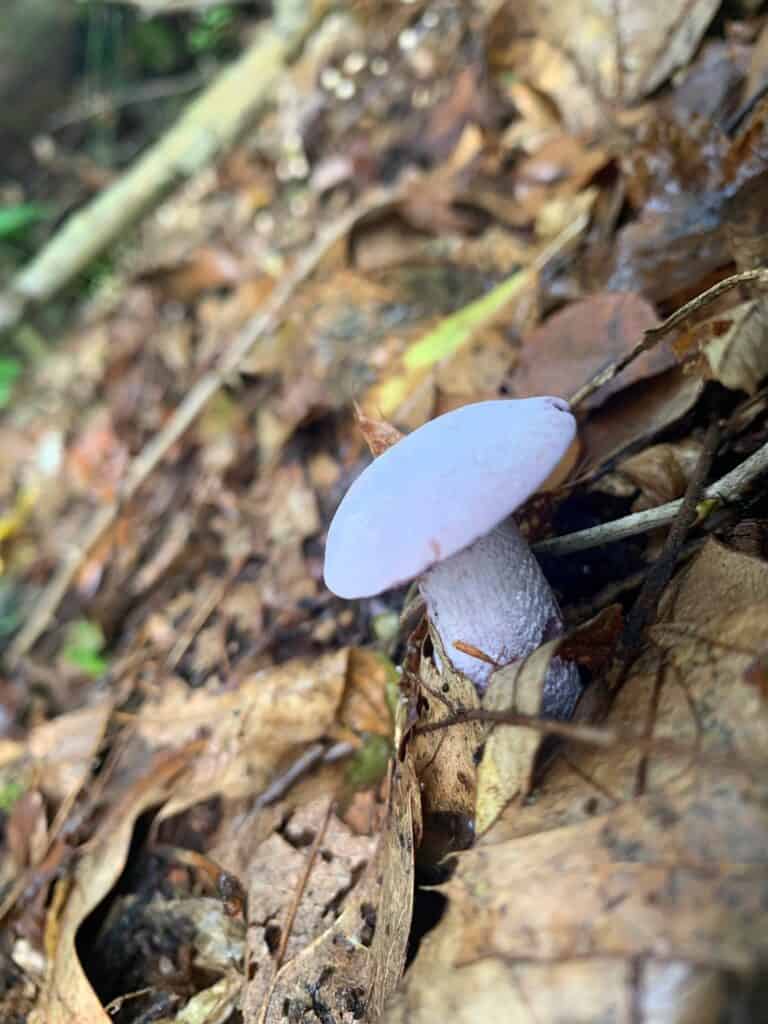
(355, 962)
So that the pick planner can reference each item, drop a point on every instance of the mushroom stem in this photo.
(493, 596)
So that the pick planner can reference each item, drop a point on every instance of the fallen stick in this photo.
(726, 489)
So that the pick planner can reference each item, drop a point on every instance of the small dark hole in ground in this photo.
(272, 936)
(428, 908)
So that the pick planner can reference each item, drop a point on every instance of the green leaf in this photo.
(14, 220)
(83, 647)
(10, 606)
(368, 766)
(10, 369)
(443, 341)
(454, 331)
(9, 793)
(212, 25)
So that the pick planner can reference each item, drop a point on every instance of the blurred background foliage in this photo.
(85, 85)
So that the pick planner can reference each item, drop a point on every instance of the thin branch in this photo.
(261, 326)
(660, 572)
(595, 736)
(728, 488)
(301, 886)
(146, 92)
(654, 335)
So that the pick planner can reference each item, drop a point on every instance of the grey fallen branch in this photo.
(728, 488)
(211, 123)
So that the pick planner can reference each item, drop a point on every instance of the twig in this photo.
(728, 488)
(262, 325)
(209, 124)
(200, 615)
(290, 917)
(661, 571)
(314, 754)
(644, 609)
(595, 736)
(146, 92)
(652, 336)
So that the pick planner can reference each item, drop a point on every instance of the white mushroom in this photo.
(436, 506)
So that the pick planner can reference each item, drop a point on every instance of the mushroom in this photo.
(437, 506)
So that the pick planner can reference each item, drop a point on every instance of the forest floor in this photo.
(216, 803)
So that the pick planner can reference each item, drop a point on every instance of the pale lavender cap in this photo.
(440, 488)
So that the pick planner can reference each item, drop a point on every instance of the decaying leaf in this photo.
(630, 851)
(506, 770)
(379, 435)
(67, 994)
(250, 732)
(354, 961)
(736, 355)
(594, 37)
(62, 750)
(444, 760)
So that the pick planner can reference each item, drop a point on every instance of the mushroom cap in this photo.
(440, 488)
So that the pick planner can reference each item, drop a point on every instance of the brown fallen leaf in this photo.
(731, 347)
(444, 761)
(355, 963)
(26, 830)
(506, 771)
(660, 472)
(364, 707)
(574, 344)
(637, 413)
(634, 877)
(673, 176)
(62, 750)
(506, 768)
(660, 37)
(205, 269)
(379, 435)
(297, 886)
(251, 733)
(541, 65)
(97, 460)
(68, 995)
